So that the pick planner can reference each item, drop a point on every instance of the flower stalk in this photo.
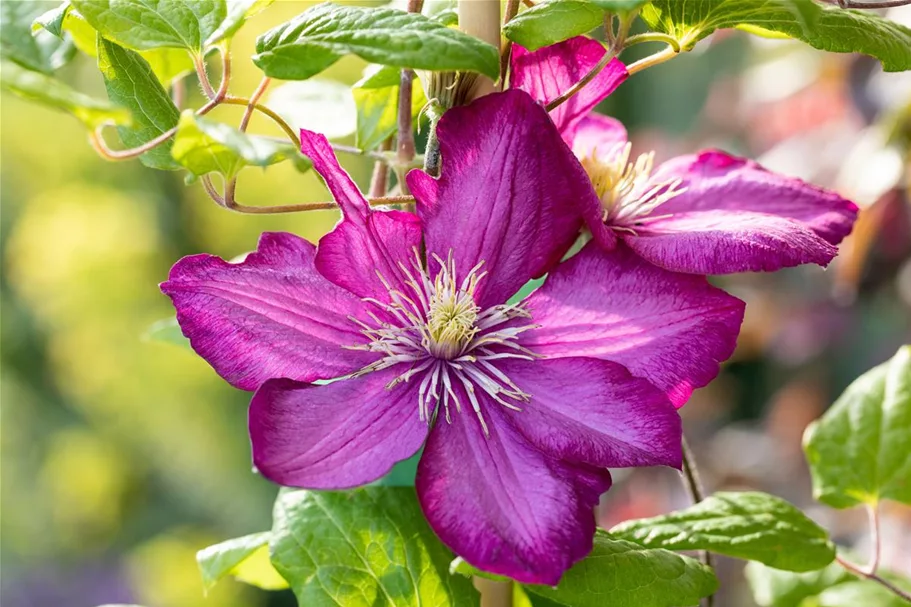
(693, 484)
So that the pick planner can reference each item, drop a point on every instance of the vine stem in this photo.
(227, 201)
(200, 63)
(618, 41)
(873, 515)
(96, 137)
(862, 572)
(652, 60)
(653, 37)
(694, 487)
(512, 8)
(251, 104)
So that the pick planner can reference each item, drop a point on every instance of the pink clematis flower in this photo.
(520, 408)
(706, 213)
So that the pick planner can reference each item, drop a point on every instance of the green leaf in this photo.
(553, 21)
(53, 93)
(318, 105)
(322, 35)
(142, 25)
(131, 83)
(828, 28)
(168, 331)
(777, 588)
(369, 547)
(238, 12)
(624, 574)
(52, 20)
(750, 525)
(376, 97)
(40, 50)
(402, 473)
(620, 6)
(863, 594)
(244, 558)
(204, 146)
(168, 64)
(858, 450)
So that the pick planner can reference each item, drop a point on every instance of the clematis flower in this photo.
(706, 213)
(520, 408)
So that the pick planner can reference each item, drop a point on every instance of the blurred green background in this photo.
(122, 456)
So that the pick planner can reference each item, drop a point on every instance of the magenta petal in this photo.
(672, 329)
(549, 72)
(360, 255)
(718, 182)
(501, 504)
(722, 242)
(599, 136)
(594, 412)
(340, 435)
(272, 315)
(317, 148)
(366, 244)
(511, 193)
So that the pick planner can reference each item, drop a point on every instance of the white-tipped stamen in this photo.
(432, 325)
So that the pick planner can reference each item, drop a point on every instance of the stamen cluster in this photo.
(628, 195)
(438, 330)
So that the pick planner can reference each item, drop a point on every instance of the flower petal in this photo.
(672, 329)
(716, 181)
(366, 244)
(361, 255)
(340, 435)
(511, 193)
(599, 136)
(272, 315)
(723, 242)
(501, 504)
(551, 71)
(594, 412)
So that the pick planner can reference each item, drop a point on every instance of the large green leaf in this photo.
(624, 574)
(858, 450)
(553, 21)
(205, 146)
(131, 83)
(777, 588)
(376, 97)
(365, 548)
(53, 93)
(322, 35)
(863, 593)
(167, 63)
(827, 28)
(146, 24)
(38, 50)
(749, 525)
(244, 558)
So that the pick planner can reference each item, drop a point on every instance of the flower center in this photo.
(626, 189)
(437, 329)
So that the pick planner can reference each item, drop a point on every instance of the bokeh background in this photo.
(122, 455)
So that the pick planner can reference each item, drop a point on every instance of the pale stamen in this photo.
(438, 330)
(628, 196)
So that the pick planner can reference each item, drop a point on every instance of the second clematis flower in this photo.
(706, 213)
(520, 408)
